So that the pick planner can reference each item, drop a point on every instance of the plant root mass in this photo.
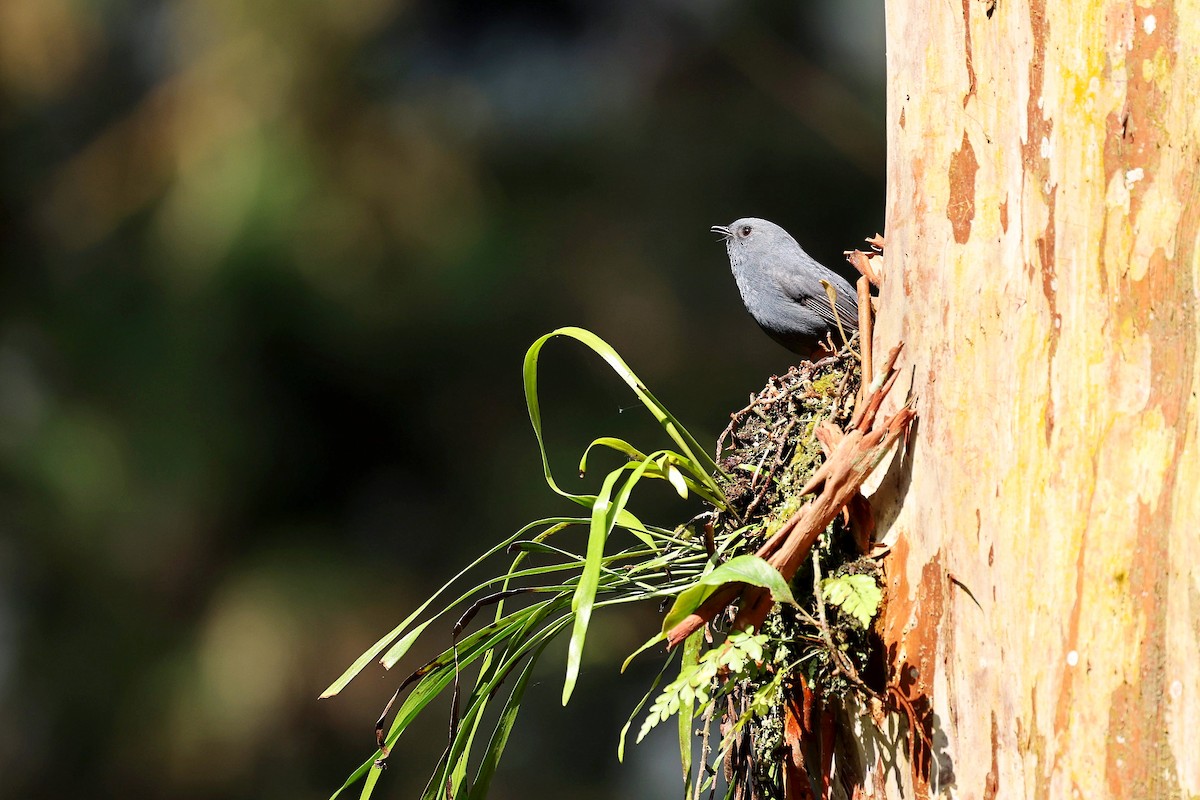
(795, 458)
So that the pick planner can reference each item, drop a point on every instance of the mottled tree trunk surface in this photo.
(1043, 268)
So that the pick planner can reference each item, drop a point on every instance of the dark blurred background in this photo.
(269, 272)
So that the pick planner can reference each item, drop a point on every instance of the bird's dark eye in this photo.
(744, 231)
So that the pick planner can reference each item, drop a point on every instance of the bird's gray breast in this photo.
(764, 283)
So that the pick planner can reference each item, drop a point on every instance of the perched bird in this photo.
(781, 287)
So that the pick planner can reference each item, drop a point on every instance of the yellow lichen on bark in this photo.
(1043, 267)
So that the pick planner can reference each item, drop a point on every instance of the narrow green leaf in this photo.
(397, 651)
(366, 658)
(372, 779)
(686, 442)
(432, 684)
(658, 637)
(361, 662)
(677, 480)
(638, 708)
(486, 688)
(620, 445)
(605, 514)
(504, 726)
(666, 467)
(691, 657)
(589, 580)
(459, 773)
(357, 775)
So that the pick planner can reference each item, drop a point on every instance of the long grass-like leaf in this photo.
(357, 775)
(686, 442)
(666, 467)
(428, 688)
(442, 672)
(372, 779)
(638, 708)
(604, 516)
(687, 708)
(366, 658)
(487, 686)
(504, 726)
(459, 773)
(458, 754)
(398, 650)
(619, 445)
(589, 580)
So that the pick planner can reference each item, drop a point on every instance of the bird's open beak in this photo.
(721, 229)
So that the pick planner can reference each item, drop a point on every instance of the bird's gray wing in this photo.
(846, 309)
(813, 298)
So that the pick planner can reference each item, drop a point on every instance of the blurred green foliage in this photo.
(269, 270)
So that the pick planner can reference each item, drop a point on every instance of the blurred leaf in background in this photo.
(269, 270)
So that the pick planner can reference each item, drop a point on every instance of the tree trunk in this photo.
(1043, 618)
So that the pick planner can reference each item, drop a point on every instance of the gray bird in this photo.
(781, 286)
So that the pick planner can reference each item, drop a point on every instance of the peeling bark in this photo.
(1043, 268)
